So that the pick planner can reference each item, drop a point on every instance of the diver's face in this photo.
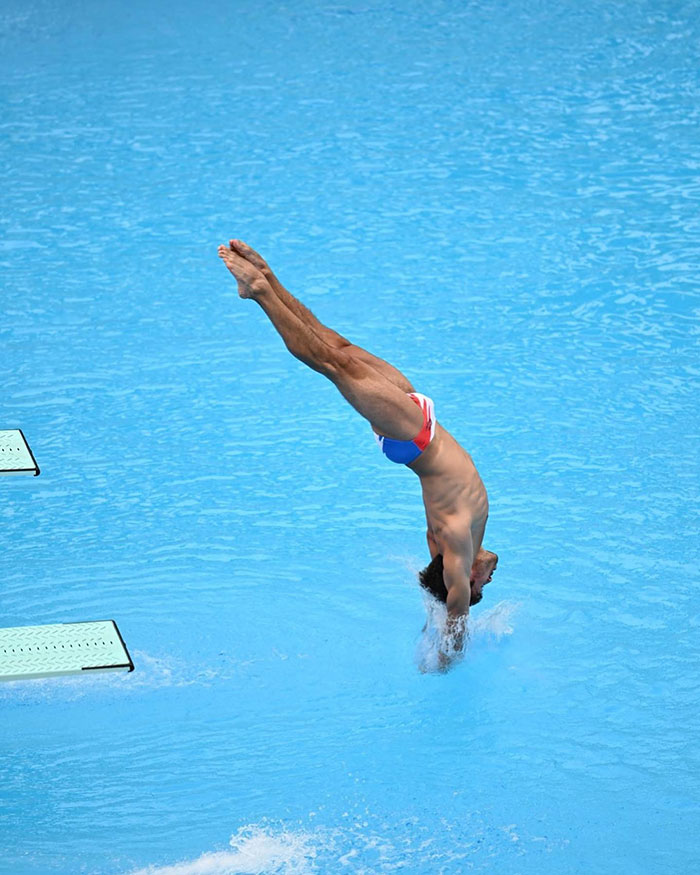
(482, 571)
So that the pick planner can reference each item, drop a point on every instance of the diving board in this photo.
(15, 455)
(62, 649)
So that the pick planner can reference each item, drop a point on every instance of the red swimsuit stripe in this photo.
(423, 438)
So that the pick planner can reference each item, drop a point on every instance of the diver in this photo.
(404, 425)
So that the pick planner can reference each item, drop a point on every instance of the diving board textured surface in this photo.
(61, 649)
(15, 455)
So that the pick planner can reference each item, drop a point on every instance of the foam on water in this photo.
(151, 673)
(254, 849)
(364, 846)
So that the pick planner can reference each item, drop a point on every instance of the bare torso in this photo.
(453, 494)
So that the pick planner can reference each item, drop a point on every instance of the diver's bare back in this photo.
(454, 495)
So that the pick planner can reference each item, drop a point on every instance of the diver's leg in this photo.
(387, 408)
(328, 335)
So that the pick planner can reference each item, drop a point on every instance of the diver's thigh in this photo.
(388, 408)
(389, 372)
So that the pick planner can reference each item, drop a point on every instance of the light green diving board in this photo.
(15, 455)
(62, 649)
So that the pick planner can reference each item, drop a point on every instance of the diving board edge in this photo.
(129, 664)
(36, 470)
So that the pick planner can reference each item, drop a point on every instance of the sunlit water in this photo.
(502, 199)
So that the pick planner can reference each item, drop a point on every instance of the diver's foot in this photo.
(250, 255)
(251, 282)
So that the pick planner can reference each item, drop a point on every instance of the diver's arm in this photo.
(456, 573)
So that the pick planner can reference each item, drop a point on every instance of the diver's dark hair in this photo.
(431, 579)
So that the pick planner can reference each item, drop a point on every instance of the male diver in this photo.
(403, 421)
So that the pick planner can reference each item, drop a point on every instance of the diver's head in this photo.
(430, 578)
(484, 565)
(482, 570)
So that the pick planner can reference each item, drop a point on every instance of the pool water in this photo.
(501, 199)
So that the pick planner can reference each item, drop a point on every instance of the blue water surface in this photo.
(502, 199)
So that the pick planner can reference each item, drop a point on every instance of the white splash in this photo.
(358, 849)
(493, 624)
(255, 851)
(496, 621)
